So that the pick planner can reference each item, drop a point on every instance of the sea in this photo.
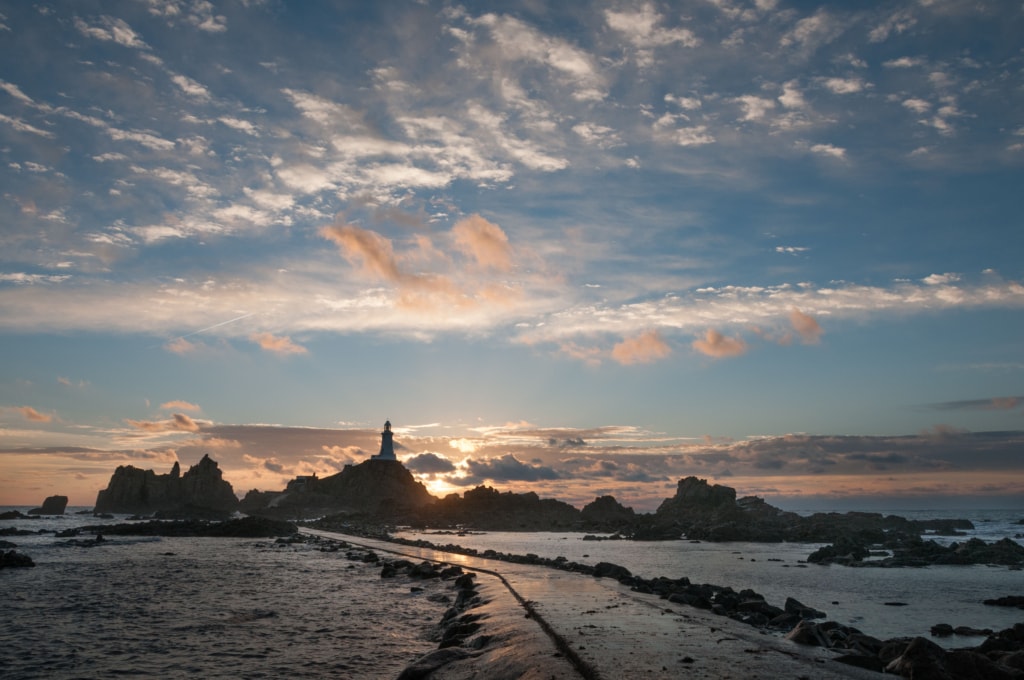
(142, 607)
(882, 602)
(256, 608)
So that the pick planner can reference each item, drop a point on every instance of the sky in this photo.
(571, 248)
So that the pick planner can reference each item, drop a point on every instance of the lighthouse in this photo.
(387, 446)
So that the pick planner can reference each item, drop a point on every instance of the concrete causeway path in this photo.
(548, 623)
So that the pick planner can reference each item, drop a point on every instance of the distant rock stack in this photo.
(54, 505)
(387, 445)
(136, 491)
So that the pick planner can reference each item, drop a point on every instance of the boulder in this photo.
(54, 505)
(610, 570)
(13, 558)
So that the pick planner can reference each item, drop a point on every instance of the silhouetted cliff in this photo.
(136, 491)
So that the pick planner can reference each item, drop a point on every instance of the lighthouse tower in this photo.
(387, 446)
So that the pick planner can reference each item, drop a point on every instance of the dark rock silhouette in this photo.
(132, 490)
(377, 487)
(488, 509)
(13, 558)
(607, 514)
(54, 505)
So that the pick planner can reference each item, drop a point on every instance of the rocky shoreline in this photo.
(1001, 655)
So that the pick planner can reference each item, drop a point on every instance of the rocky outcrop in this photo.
(901, 550)
(705, 512)
(13, 558)
(54, 505)
(607, 514)
(380, 488)
(490, 510)
(135, 491)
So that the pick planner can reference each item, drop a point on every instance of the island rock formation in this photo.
(377, 487)
(135, 491)
(54, 505)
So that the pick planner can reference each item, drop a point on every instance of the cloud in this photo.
(30, 414)
(366, 248)
(180, 405)
(111, 29)
(277, 344)
(829, 150)
(429, 464)
(641, 28)
(179, 422)
(506, 468)
(941, 279)
(991, 404)
(641, 349)
(806, 327)
(484, 241)
(754, 108)
(716, 345)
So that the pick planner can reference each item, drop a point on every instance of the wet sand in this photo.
(545, 623)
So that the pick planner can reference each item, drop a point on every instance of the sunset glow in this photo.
(571, 248)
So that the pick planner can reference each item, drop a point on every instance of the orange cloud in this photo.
(278, 345)
(1004, 403)
(180, 405)
(806, 326)
(180, 346)
(484, 241)
(716, 345)
(642, 349)
(365, 247)
(179, 422)
(35, 416)
(588, 355)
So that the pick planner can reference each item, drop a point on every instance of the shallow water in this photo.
(207, 607)
(851, 596)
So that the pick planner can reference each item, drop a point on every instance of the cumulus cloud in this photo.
(484, 241)
(716, 345)
(641, 349)
(179, 422)
(641, 28)
(277, 344)
(429, 464)
(806, 327)
(506, 468)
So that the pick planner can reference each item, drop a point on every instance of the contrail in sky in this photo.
(210, 328)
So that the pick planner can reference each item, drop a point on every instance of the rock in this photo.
(921, 659)
(807, 633)
(135, 491)
(607, 514)
(13, 558)
(942, 630)
(794, 606)
(1008, 601)
(54, 505)
(925, 659)
(609, 570)
(12, 514)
